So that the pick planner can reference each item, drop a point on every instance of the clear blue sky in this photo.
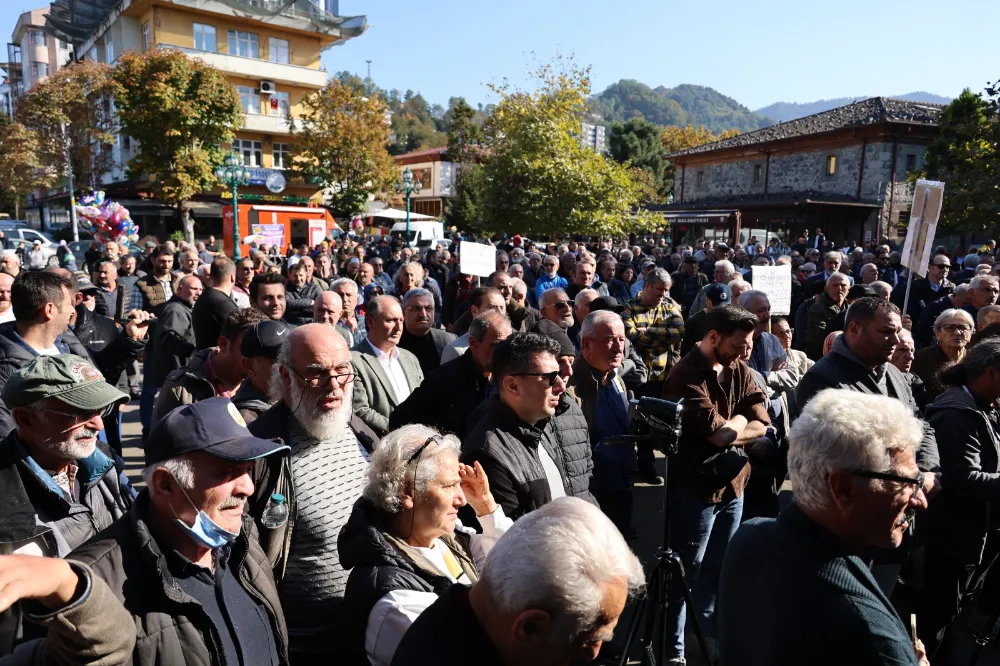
(756, 52)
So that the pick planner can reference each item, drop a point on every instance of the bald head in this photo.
(328, 308)
(314, 344)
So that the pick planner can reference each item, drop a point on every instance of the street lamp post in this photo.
(232, 173)
(408, 187)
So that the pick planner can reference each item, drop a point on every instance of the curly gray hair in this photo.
(390, 474)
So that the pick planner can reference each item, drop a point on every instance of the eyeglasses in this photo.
(419, 308)
(917, 481)
(83, 417)
(323, 380)
(550, 377)
(957, 328)
(430, 440)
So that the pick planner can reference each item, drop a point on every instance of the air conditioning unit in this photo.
(267, 87)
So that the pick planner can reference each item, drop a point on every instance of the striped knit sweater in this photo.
(329, 477)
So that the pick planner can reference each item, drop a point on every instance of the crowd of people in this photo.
(357, 451)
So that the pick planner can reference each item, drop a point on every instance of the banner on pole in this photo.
(928, 196)
(477, 259)
(776, 282)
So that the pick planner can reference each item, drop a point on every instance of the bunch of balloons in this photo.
(106, 220)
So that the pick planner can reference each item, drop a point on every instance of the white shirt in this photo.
(394, 370)
(556, 487)
(7, 316)
(393, 614)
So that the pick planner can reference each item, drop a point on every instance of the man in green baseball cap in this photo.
(59, 489)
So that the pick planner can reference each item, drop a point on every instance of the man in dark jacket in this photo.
(859, 361)
(851, 461)
(185, 561)
(450, 393)
(961, 534)
(688, 282)
(419, 336)
(213, 306)
(605, 403)
(925, 290)
(831, 266)
(59, 488)
(216, 371)
(822, 312)
(300, 295)
(259, 351)
(174, 342)
(515, 441)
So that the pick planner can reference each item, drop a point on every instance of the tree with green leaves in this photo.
(464, 135)
(638, 143)
(21, 168)
(342, 143)
(538, 178)
(180, 110)
(966, 156)
(465, 150)
(73, 105)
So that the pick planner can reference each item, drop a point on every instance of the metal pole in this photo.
(236, 221)
(407, 216)
(69, 176)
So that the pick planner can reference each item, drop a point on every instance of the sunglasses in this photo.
(83, 417)
(917, 481)
(550, 377)
(562, 305)
(941, 265)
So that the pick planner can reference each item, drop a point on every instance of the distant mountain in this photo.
(684, 105)
(783, 111)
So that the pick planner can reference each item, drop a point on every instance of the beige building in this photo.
(436, 172)
(32, 55)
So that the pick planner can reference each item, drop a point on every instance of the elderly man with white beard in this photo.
(320, 479)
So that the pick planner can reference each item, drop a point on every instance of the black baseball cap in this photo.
(718, 293)
(861, 291)
(213, 426)
(264, 339)
(606, 303)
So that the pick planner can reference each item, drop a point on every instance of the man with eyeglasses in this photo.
(386, 374)
(58, 487)
(320, 478)
(556, 307)
(925, 290)
(419, 335)
(550, 278)
(516, 440)
(859, 361)
(851, 461)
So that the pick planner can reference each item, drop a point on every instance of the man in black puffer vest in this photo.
(516, 441)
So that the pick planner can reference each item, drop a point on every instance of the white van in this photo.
(422, 234)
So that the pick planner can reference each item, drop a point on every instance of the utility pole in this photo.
(369, 69)
(69, 177)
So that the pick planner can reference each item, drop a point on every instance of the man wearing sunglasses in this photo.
(925, 290)
(58, 487)
(517, 441)
(852, 463)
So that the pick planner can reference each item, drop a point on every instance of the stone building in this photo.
(844, 171)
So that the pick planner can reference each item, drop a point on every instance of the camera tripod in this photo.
(668, 570)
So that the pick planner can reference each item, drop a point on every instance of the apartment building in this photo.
(32, 56)
(269, 49)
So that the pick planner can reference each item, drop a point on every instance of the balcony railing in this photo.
(258, 122)
(262, 70)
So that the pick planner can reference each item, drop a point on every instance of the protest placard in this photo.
(776, 282)
(927, 198)
(477, 259)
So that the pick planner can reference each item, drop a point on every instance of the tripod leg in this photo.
(677, 577)
(641, 606)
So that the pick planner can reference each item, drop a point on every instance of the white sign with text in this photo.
(477, 259)
(776, 282)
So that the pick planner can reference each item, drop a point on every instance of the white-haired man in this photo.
(723, 273)
(831, 265)
(321, 477)
(328, 308)
(550, 594)
(185, 561)
(851, 460)
(347, 289)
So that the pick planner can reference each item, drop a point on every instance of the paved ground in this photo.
(648, 513)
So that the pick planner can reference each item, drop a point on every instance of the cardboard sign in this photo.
(477, 259)
(776, 282)
(271, 234)
(928, 196)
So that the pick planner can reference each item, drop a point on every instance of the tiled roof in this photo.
(871, 111)
(429, 152)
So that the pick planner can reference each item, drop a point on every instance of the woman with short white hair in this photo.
(404, 543)
(953, 329)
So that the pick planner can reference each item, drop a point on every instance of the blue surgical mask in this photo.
(205, 531)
